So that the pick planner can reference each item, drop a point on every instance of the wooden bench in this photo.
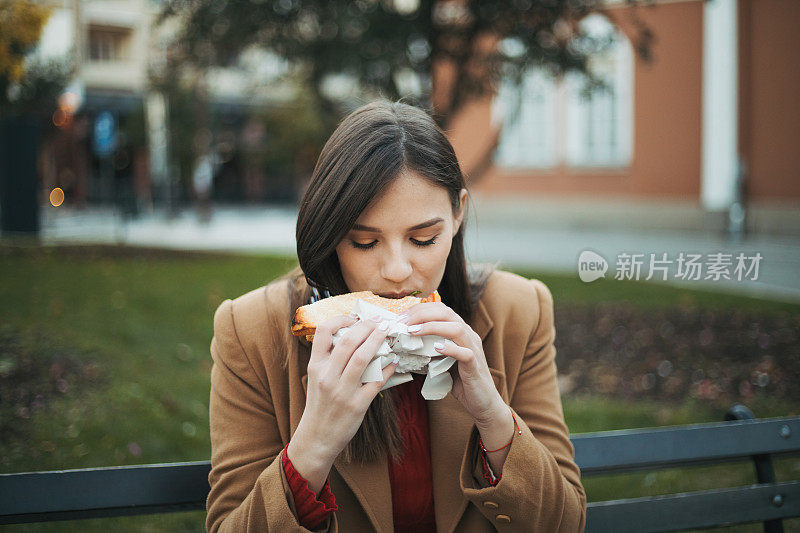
(161, 488)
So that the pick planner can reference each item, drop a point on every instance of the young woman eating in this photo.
(300, 443)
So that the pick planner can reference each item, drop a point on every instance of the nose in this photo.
(396, 265)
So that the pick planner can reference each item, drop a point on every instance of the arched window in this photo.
(548, 122)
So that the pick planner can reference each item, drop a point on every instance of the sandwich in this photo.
(412, 353)
(307, 317)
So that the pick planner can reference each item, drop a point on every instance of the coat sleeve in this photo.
(249, 489)
(540, 487)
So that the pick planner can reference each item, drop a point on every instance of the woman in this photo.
(299, 443)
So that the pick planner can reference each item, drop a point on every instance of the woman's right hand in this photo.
(336, 399)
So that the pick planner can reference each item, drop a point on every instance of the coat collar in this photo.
(450, 429)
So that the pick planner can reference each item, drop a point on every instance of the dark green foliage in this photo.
(373, 41)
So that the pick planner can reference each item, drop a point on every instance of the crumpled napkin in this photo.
(420, 356)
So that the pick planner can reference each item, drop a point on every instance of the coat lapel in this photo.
(450, 428)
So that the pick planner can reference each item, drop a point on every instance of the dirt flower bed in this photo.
(620, 350)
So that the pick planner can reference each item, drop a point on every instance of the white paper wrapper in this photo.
(418, 354)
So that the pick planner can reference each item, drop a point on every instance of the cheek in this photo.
(436, 262)
(345, 259)
(352, 262)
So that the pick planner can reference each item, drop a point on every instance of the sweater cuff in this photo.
(490, 477)
(311, 510)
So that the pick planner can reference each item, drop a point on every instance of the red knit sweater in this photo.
(410, 478)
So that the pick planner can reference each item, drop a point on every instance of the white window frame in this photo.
(548, 123)
(530, 116)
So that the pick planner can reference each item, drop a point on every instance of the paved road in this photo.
(558, 250)
(520, 242)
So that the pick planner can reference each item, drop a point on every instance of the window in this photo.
(528, 138)
(549, 123)
(108, 44)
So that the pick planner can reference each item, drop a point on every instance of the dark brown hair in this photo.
(367, 152)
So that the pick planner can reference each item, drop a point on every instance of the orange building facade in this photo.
(664, 155)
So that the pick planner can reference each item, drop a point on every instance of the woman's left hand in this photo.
(473, 385)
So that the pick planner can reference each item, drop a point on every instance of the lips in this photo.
(395, 295)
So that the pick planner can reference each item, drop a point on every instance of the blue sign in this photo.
(105, 134)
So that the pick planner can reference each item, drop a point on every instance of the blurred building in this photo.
(707, 124)
(116, 46)
(108, 44)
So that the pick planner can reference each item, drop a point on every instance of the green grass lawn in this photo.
(105, 361)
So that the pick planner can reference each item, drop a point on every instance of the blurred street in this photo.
(544, 236)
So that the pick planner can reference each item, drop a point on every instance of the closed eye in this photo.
(424, 243)
(363, 246)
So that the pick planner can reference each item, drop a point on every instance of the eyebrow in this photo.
(427, 224)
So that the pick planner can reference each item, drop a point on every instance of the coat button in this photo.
(491, 505)
(503, 518)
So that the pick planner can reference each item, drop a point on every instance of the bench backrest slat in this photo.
(695, 510)
(98, 492)
(618, 451)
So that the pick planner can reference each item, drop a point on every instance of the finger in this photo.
(458, 333)
(368, 391)
(363, 356)
(429, 312)
(347, 345)
(323, 335)
(459, 353)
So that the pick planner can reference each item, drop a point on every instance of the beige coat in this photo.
(256, 406)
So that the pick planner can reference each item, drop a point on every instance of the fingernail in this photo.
(396, 359)
(438, 345)
(415, 328)
(376, 318)
(384, 325)
(353, 315)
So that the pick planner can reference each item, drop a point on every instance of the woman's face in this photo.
(387, 253)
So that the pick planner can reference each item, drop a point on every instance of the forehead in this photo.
(409, 198)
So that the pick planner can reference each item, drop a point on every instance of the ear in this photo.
(462, 198)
